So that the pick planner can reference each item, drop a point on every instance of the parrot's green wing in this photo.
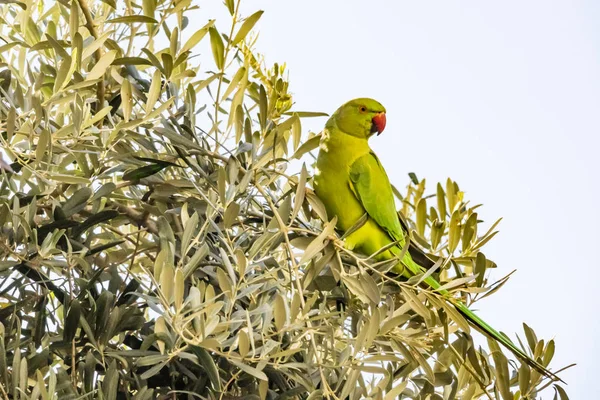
(371, 186)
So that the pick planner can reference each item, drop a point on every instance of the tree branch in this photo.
(140, 218)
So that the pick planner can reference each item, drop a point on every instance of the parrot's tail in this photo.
(487, 330)
(476, 321)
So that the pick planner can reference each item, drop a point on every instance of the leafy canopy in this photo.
(157, 242)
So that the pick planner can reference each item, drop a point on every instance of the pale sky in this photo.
(503, 97)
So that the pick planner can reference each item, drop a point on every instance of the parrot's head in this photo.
(360, 117)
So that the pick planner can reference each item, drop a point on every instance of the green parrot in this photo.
(351, 182)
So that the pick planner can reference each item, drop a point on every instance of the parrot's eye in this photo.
(363, 109)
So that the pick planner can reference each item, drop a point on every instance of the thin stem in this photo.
(89, 24)
(222, 73)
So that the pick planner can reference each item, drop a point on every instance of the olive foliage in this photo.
(157, 241)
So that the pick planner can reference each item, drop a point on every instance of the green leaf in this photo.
(524, 377)
(307, 114)
(149, 8)
(296, 131)
(167, 276)
(110, 384)
(370, 288)
(548, 353)
(531, 336)
(62, 76)
(307, 146)
(441, 201)
(209, 366)
(250, 370)
(154, 92)
(451, 194)
(413, 178)
(561, 392)
(131, 19)
(131, 61)
(153, 59)
(152, 359)
(456, 283)
(44, 145)
(104, 191)
(165, 232)
(262, 107)
(104, 307)
(126, 99)
(101, 66)
(191, 225)
(469, 231)
(111, 3)
(77, 201)
(73, 19)
(58, 47)
(502, 375)
(201, 85)
(421, 216)
(396, 391)
(230, 6)
(224, 283)
(197, 37)
(95, 219)
(96, 44)
(179, 288)
(153, 371)
(218, 50)
(80, 85)
(241, 73)
(318, 243)
(454, 231)
(246, 27)
(231, 213)
(317, 205)
(300, 192)
(167, 62)
(143, 172)
(480, 267)
(72, 320)
(280, 312)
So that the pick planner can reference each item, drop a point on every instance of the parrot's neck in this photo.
(333, 140)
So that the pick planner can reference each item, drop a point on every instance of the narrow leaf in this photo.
(246, 27)
(218, 50)
(101, 66)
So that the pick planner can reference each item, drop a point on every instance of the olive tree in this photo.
(157, 242)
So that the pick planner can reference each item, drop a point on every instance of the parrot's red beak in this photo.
(379, 123)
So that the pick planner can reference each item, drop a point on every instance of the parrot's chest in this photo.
(332, 182)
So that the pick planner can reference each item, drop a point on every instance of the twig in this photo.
(470, 370)
(138, 217)
(227, 49)
(89, 24)
(4, 392)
